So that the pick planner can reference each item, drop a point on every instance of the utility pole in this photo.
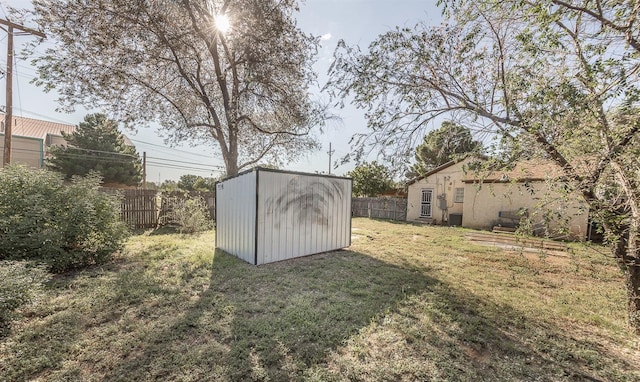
(330, 152)
(6, 158)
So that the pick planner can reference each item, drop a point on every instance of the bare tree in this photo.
(552, 76)
(233, 72)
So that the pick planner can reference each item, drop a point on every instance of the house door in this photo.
(425, 204)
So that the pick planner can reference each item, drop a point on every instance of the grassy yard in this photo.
(404, 302)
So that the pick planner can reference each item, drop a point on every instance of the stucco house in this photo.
(450, 194)
(439, 195)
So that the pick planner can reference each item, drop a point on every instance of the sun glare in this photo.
(222, 23)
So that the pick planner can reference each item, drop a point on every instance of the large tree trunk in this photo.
(628, 233)
(633, 293)
(231, 161)
(626, 252)
(231, 164)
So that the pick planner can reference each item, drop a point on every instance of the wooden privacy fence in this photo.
(143, 209)
(140, 208)
(168, 201)
(380, 207)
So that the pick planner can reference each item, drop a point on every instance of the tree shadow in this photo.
(342, 315)
(291, 314)
(457, 336)
(318, 317)
(272, 321)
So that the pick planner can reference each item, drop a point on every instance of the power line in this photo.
(112, 154)
(105, 152)
(170, 151)
(166, 148)
(179, 161)
(9, 82)
(202, 168)
(48, 118)
(152, 164)
(26, 67)
(92, 158)
(171, 148)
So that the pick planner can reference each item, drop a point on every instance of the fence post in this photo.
(369, 209)
(395, 209)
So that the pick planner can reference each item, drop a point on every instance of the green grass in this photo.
(405, 302)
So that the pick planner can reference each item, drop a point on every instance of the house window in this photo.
(425, 203)
(459, 198)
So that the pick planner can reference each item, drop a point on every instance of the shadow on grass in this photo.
(272, 321)
(290, 315)
(332, 316)
(337, 316)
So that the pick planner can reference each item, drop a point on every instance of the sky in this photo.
(358, 22)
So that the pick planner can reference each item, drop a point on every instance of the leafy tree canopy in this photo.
(97, 145)
(205, 184)
(371, 179)
(555, 77)
(169, 186)
(189, 182)
(441, 146)
(244, 90)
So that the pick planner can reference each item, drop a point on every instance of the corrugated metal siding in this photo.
(300, 215)
(24, 150)
(236, 216)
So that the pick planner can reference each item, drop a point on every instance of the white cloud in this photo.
(325, 37)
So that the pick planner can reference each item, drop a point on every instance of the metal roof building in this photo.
(265, 215)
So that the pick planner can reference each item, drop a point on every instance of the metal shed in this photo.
(265, 215)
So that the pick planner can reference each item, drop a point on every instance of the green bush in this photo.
(191, 215)
(66, 226)
(19, 285)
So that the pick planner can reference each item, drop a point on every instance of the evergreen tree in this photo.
(98, 146)
(441, 146)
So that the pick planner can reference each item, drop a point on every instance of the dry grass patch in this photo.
(405, 302)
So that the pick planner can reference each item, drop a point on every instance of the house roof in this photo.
(525, 170)
(446, 165)
(435, 170)
(36, 128)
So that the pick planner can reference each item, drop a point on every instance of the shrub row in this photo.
(65, 226)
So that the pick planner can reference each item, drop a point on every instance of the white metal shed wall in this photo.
(301, 214)
(236, 216)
